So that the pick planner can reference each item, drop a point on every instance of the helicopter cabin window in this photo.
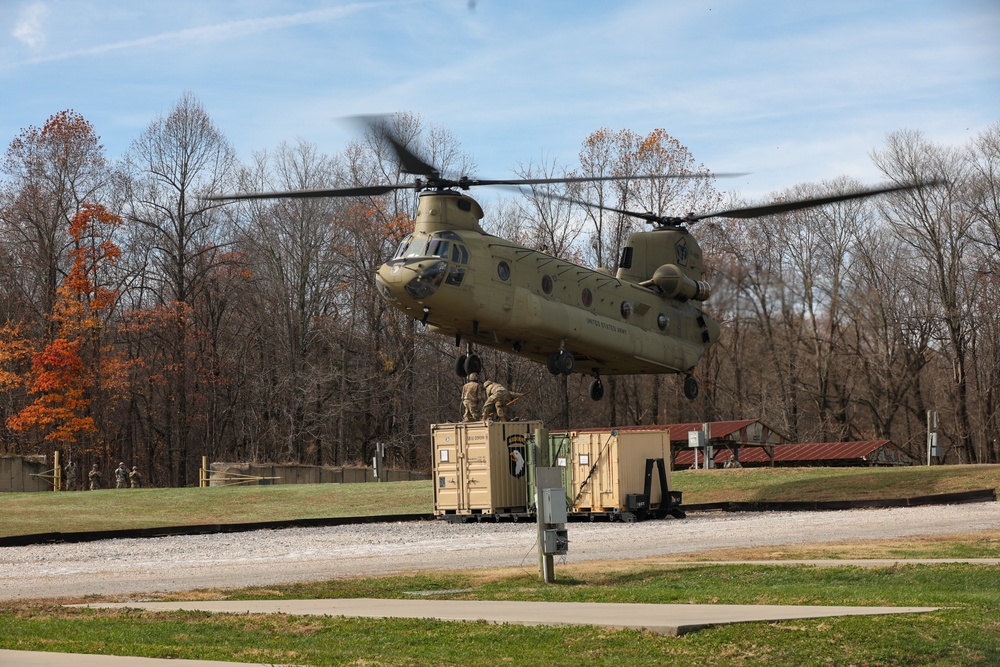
(662, 321)
(586, 297)
(626, 309)
(547, 284)
(626, 262)
(503, 270)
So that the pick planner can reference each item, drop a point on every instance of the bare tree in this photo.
(177, 160)
(294, 251)
(938, 228)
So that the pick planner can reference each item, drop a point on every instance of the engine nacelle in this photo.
(675, 285)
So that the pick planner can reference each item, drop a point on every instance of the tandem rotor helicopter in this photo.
(480, 289)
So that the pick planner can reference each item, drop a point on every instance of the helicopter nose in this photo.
(416, 280)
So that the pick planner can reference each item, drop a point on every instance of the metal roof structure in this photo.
(742, 432)
(864, 452)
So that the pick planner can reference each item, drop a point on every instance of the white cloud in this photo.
(205, 34)
(29, 25)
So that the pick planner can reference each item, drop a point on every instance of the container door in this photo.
(585, 471)
(449, 474)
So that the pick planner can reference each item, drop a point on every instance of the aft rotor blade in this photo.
(784, 207)
(366, 191)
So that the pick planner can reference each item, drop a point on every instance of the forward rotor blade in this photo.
(593, 179)
(411, 163)
(784, 207)
(366, 191)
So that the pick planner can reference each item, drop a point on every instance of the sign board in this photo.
(696, 438)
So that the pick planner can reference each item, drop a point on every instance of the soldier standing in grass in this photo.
(95, 478)
(121, 476)
(134, 478)
(70, 476)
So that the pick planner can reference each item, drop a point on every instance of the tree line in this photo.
(142, 322)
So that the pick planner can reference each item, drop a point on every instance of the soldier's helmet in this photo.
(473, 377)
(488, 383)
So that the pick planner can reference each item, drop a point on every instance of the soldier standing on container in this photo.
(497, 399)
(473, 396)
(121, 476)
(95, 478)
(135, 479)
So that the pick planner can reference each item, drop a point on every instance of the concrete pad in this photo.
(46, 659)
(666, 619)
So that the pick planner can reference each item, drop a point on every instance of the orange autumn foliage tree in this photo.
(75, 364)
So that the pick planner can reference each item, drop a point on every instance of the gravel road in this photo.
(135, 566)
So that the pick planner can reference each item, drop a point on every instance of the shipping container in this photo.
(480, 467)
(625, 471)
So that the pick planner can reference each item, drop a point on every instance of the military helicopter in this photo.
(460, 281)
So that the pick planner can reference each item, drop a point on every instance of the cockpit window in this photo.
(404, 245)
(438, 245)
(438, 248)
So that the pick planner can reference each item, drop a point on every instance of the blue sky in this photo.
(788, 91)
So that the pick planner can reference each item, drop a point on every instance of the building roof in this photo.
(822, 451)
(717, 430)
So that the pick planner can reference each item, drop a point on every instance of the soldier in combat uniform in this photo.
(473, 396)
(70, 476)
(121, 476)
(135, 478)
(95, 478)
(497, 399)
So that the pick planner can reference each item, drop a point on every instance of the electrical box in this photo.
(554, 505)
(555, 541)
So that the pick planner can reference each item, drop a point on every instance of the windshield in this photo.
(438, 245)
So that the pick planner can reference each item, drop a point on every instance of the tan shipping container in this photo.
(610, 464)
(480, 467)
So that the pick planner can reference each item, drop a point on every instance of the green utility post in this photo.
(550, 507)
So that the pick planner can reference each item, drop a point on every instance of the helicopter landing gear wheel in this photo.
(596, 389)
(553, 363)
(561, 363)
(473, 364)
(460, 366)
(690, 388)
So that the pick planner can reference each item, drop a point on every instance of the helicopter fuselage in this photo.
(462, 282)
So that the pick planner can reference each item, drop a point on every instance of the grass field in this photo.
(30, 513)
(964, 631)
